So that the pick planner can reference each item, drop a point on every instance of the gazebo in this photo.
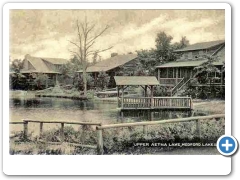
(122, 82)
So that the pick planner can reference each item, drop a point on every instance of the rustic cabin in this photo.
(115, 65)
(32, 66)
(176, 74)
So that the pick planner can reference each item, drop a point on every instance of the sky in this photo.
(46, 33)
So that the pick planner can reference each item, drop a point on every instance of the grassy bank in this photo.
(210, 107)
(121, 140)
(21, 94)
(61, 92)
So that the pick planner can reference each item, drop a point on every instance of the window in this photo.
(185, 55)
(195, 54)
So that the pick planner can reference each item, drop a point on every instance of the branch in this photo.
(90, 29)
(99, 51)
(80, 39)
(90, 45)
(98, 34)
(74, 43)
(73, 52)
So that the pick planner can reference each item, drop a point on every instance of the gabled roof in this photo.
(202, 45)
(56, 60)
(136, 80)
(192, 63)
(39, 64)
(182, 64)
(111, 63)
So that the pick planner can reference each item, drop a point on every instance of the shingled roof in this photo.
(111, 63)
(136, 80)
(202, 45)
(39, 66)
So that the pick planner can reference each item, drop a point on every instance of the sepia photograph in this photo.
(116, 81)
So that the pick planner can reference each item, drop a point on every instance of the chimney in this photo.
(114, 54)
(27, 56)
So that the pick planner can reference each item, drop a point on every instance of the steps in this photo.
(179, 86)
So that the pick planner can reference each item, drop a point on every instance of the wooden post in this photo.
(122, 115)
(25, 130)
(191, 103)
(62, 132)
(56, 79)
(145, 91)
(159, 74)
(221, 76)
(99, 142)
(198, 129)
(118, 96)
(151, 96)
(145, 130)
(176, 76)
(151, 116)
(41, 129)
(122, 95)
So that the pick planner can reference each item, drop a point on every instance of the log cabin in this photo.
(174, 75)
(32, 66)
(114, 66)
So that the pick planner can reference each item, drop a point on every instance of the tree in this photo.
(164, 52)
(204, 71)
(85, 45)
(184, 42)
(41, 81)
(164, 49)
(204, 74)
(16, 65)
(102, 80)
(69, 69)
(148, 62)
(17, 79)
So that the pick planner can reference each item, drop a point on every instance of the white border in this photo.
(114, 165)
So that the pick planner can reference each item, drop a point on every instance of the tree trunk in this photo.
(85, 81)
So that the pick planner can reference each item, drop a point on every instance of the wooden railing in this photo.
(169, 81)
(100, 127)
(145, 124)
(178, 86)
(27, 121)
(156, 102)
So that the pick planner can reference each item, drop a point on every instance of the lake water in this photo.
(43, 108)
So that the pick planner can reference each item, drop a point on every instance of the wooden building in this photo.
(116, 65)
(177, 73)
(147, 102)
(32, 66)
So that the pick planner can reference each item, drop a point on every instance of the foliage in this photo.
(41, 81)
(103, 80)
(205, 92)
(16, 65)
(121, 140)
(148, 62)
(164, 52)
(78, 82)
(184, 42)
(17, 79)
(203, 72)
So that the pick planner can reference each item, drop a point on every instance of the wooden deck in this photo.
(128, 103)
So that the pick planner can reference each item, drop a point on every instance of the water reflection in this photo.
(44, 108)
